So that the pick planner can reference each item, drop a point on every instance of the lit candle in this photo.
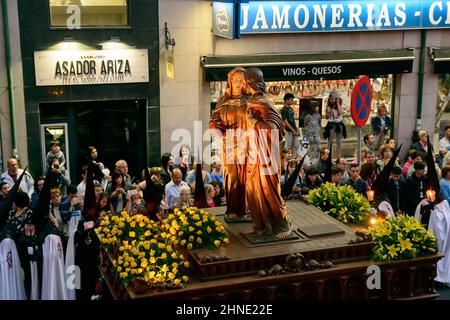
(431, 195)
(373, 220)
(370, 195)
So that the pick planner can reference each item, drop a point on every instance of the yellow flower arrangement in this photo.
(195, 228)
(117, 229)
(341, 202)
(151, 252)
(402, 237)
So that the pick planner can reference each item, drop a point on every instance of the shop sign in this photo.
(59, 68)
(224, 20)
(340, 15)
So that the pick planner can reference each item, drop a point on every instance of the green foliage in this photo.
(341, 202)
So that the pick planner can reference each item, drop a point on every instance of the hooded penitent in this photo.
(11, 282)
(53, 272)
(381, 181)
(287, 188)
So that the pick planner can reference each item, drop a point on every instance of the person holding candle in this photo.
(415, 188)
(395, 190)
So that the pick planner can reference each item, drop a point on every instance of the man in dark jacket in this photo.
(415, 188)
(396, 190)
(355, 180)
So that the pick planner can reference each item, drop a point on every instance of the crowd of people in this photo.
(172, 185)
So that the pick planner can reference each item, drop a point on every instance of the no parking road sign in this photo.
(361, 101)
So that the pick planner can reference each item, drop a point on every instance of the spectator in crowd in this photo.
(369, 142)
(38, 184)
(99, 167)
(335, 128)
(444, 146)
(391, 144)
(217, 171)
(415, 187)
(135, 202)
(172, 189)
(410, 159)
(419, 158)
(286, 156)
(381, 124)
(284, 178)
(396, 190)
(370, 157)
(62, 181)
(210, 193)
(185, 199)
(341, 163)
(55, 152)
(13, 173)
(4, 190)
(167, 164)
(368, 173)
(292, 131)
(444, 183)
(81, 187)
(322, 163)
(117, 192)
(19, 216)
(422, 145)
(190, 178)
(312, 131)
(385, 156)
(312, 180)
(59, 213)
(98, 189)
(336, 175)
(122, 167)
(104, 207)
(184, 160)
(356, 182)
(219, 197)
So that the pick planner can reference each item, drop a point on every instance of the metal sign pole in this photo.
(359, 147)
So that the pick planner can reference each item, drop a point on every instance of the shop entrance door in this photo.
(116, 128)
(54, 132)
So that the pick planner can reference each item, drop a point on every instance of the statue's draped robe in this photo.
(265, 204)
(230, 117)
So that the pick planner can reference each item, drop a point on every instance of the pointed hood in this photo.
(153, 194)
(90, 203)
(41, 210)
(287, 188)
(432, 176)
(329, 166)
(199, 192)
(381, 181)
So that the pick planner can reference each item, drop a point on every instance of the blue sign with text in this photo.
(340, 15)
(224, 19)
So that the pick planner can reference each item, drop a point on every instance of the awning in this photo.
(330, 65)
(441, 58)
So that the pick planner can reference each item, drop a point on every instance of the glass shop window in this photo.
(88, 13)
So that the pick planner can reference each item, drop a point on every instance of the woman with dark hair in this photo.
(167, 165)
(368, 173)
(117, 193)
(19, 216)
(184, 160)
(92, 155)
(38, 184)
(104, 206)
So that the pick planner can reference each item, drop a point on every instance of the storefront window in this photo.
(93, 13)
(318, 90)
